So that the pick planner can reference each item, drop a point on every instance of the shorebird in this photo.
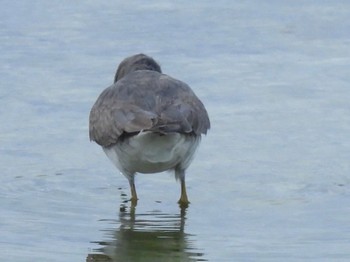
(148, 122)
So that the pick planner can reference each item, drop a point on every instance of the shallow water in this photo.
(271, 180)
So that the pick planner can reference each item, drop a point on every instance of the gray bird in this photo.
(148, 122)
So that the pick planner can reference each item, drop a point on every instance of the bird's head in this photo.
(134, 63)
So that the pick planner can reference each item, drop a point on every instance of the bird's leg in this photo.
(183, 198)
(183, 201)
(133, 191)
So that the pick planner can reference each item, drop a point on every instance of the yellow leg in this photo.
(183, 202)
(133, 193)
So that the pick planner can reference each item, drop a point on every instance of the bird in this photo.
(148, 122)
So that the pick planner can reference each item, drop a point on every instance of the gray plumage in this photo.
(142, 99)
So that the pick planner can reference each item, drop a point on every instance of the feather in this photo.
(146, 100)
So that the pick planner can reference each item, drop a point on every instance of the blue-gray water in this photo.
(271, 181)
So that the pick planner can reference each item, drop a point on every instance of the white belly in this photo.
(150, 152)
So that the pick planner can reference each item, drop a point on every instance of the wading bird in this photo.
(148, 122)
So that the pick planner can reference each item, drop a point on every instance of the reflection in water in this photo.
(152, 236)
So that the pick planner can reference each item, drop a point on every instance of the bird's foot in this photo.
(133, 202)
(183, 202)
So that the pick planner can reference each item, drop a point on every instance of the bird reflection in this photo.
(151, 236)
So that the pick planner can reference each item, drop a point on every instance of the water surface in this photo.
(271, 180)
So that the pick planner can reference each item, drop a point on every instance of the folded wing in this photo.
(146, 100)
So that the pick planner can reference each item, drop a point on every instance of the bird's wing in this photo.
(146, 100)
(179, 109)
(110, 117)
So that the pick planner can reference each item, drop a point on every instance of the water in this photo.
(270, 181)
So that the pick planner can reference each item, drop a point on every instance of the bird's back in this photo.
(146, 100)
